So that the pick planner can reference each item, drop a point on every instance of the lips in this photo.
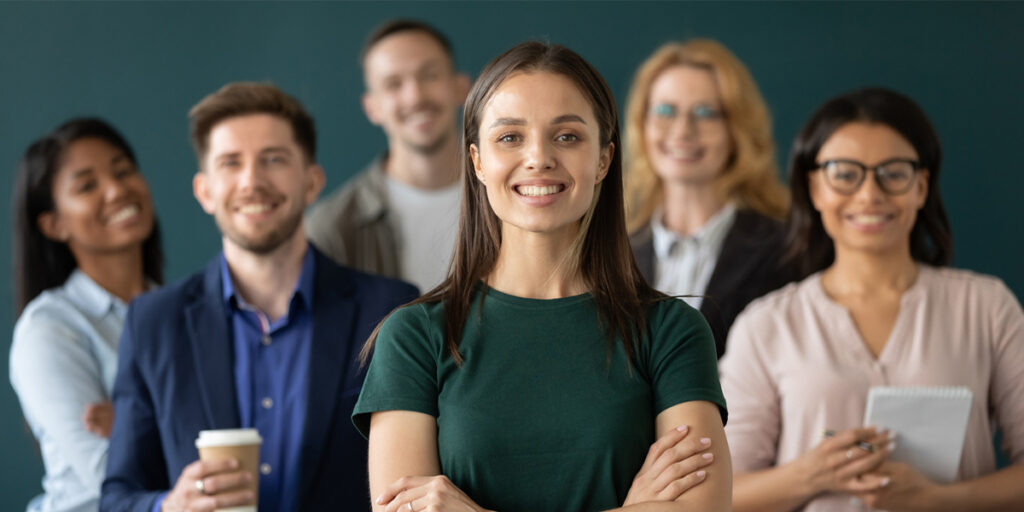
(690, 154)
(870, 221)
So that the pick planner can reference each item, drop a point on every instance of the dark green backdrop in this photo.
(142, 65)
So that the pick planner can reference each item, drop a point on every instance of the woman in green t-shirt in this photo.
(539, 373)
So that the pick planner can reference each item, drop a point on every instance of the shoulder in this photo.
(672, 313)
(956, 282)
(355, 196)
(368, 288)
(48, 321)
(781, 306)
(165, 301)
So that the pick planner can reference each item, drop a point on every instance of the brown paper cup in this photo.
(242, 444)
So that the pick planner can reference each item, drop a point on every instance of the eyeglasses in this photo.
(664, 114)
(894, 176)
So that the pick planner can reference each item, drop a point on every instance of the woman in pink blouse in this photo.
(879, 308)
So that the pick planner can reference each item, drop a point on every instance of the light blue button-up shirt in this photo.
(63, 358)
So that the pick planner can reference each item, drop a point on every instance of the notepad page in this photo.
(930, 425)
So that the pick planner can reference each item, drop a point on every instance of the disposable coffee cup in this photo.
(242, 444)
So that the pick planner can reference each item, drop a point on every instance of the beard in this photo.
(267, 241)
(438, 141)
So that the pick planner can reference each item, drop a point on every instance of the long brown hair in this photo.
(604, 258)
(750, 177)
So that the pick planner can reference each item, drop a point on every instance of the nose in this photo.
(869, 190)
(539, 156)
(686, 126)
(412, 91)
(250, 175)
(114, 188)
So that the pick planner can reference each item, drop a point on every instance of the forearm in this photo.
(999, 491)
(777, 489)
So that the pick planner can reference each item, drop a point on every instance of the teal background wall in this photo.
(142, 65)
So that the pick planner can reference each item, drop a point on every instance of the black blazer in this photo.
(175, 378)
(749, 266)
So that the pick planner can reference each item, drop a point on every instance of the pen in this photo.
(863, 445)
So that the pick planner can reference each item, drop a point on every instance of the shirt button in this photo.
(266, 340)
(265, 468)
(267, 402)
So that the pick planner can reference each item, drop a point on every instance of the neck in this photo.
(859, 273)
(536, 265)
(688, 207)
(119, 273)
(427, 171)
(267, 280)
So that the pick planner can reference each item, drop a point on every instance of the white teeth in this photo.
(124, 213)
(251, 209)
(531, 190)
(869, 219)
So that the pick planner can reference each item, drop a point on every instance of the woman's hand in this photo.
(672, 467)
(837, 463)
(902, 488)
(99, 418)
(426, 493)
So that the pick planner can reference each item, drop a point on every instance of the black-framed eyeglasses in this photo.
(894, 176)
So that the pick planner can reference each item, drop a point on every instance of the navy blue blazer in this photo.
(175, 378)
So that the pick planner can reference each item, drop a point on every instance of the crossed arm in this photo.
(405, 472)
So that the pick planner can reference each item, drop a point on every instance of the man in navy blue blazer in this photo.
(267, 337)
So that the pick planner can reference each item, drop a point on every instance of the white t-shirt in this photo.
(426, 222)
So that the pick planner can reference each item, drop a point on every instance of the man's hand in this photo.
(223, 485)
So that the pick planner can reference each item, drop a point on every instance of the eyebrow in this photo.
(89, 170)
(515, 121)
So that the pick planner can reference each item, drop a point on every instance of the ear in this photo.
(201, 190)
(315, 185)
(462, 83)
(922, 187)
(51, 226)
(474, 154)
(605, 161)
(370, 108)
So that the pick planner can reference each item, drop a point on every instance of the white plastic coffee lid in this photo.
(228, 437)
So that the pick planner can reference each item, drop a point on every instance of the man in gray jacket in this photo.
(399, 216)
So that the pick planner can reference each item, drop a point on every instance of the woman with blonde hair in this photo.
(703, 196)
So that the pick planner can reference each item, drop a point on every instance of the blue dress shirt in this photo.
(63, 358)
(271, 365)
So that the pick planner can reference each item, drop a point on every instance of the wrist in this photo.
(802, 480)
(945, 498)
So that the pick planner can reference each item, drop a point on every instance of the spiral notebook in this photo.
(930, 425)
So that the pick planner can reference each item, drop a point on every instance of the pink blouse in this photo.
(796, 365)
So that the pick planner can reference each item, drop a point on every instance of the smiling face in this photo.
(256, 182)
(686, 136)
(101, 202)
(412, 92)
(540, 155)
(868, 219)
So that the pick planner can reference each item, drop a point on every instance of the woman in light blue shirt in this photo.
(85, 243)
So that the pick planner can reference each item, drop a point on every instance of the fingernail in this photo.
(682, 428)
(705, 440)
(891, 446)
(885, 482)
(379, 500)
(892, 434)
(708, 456)
(701, 473)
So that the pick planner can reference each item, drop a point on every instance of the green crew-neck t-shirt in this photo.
(538, 417)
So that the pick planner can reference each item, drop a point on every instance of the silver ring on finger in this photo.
(201, 487)
(410, 507)
(849, 454)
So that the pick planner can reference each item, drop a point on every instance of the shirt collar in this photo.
(91, 297)
(303, 288)
(711, 234)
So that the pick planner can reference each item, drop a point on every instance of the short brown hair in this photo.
(241, 98)
(751, 176)
(392, 27)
